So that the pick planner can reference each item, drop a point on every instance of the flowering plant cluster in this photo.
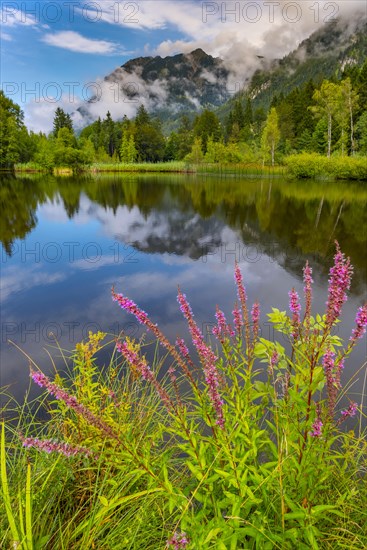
(246, 430)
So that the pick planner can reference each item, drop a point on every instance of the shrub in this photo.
(313, 165)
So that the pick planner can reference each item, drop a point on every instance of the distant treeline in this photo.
(329, 119)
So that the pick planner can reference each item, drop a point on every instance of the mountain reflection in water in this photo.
(66, 241)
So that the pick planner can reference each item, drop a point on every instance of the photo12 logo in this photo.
(29, 13)
(70, 332)
(72, 92)
(71, 252)
(271, 12)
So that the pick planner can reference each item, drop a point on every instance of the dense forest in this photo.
(329, 119)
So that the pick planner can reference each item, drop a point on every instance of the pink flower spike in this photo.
(361, 324)
(316, 428)
(339, 284)
(307, 279)
(71, 402)
(317, 425)
(178, 541)
(241, 292)
(295, 308)
(255, 314)
(237, 319)
(223, 330)
(207, 357)
(143, 318)
(350, 411)
(240, 287)
(50, 446)
(140, 364)
(180, 343)
(131, 307)
(294, 304)
(274, 358)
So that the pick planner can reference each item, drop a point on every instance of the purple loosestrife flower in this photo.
(332, 375)
(361, 324)
(182, 347)
(131, 306)
(255, 314)
(138, 363)
(294, 304)
(237, 319)
(317, 428)
(350, 411)
(178, 541)
(295, 308)
(50, 446)
(274, 358)
(180, 343)
(339, 282)
(240, 287)
(143, 318)
(241, 292)
(307, 279)
(223, 330)
(70, 401)
(207, 358)
(317, 425)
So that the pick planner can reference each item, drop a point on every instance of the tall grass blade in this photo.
(28, 510)
(5, 490)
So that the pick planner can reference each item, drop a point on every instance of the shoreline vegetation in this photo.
(238, 443)
(317, 130)
(300, 166)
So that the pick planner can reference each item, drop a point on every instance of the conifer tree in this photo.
(61, 120)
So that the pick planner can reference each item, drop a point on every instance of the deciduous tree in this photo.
(271, 135)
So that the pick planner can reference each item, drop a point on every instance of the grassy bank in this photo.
(311, 165)
(300, 166)
(252, 169)
(30, 167)
(141, 167)
(246, 169)
(240, 445)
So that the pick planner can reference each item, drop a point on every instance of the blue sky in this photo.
(54, 48)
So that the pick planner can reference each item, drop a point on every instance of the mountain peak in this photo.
(183, 81)
(199, 53)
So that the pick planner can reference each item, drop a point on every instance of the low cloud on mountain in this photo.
(246, 36)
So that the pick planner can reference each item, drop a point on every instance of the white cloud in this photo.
(256, 28)
(15, 280)
(75, 42)
(5, 36)
(13, 17)
(238, 40)
(39, 114)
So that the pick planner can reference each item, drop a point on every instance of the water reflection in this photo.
(306, 217)
(67, 240)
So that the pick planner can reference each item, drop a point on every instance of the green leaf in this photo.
(195, 470)
(319, 509)
(40, 544)
(103, 500)
(222, 473)
(296, 515)
(212, 533)
(107, 509)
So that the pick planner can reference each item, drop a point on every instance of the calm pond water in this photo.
(67, 241)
